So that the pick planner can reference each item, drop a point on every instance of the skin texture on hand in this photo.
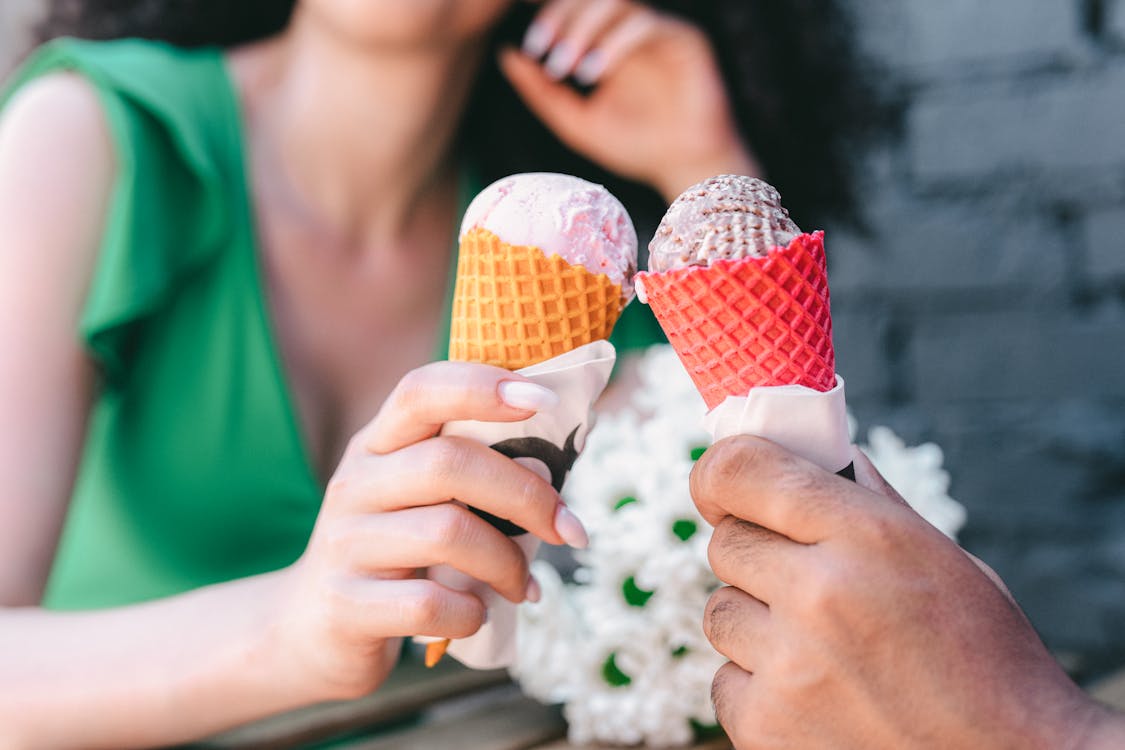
(658, 113)
(851, 622)
(389, 513)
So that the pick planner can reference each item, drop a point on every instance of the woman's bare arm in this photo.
(56, 170)
(135, 676)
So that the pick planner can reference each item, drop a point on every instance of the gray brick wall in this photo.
(954, 32)
(987, 311)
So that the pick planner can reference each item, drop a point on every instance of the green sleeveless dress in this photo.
(193, 470)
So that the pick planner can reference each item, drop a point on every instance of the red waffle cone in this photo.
(750, 322)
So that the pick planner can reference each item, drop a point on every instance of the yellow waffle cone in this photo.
(514, 306)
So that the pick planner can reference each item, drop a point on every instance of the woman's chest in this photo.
(346, 330)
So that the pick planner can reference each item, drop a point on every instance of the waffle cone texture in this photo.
(750, 322)
(515, 306)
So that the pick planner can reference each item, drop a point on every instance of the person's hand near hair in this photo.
(850, 622)
(658, 112)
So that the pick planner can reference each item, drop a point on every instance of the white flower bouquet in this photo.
(622, 646)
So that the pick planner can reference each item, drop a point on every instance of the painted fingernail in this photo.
(534, 591)
(537, 40)
(590, 69)
(561, 61)
(520, 394)
(571, 529)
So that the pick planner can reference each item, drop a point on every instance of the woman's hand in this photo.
(389, 513)
(659, 112)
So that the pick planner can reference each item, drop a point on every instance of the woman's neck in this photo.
(357, 138)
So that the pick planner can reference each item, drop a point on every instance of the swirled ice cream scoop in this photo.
(724, 217)
(562, 215)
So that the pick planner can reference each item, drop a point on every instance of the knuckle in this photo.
(449, 526)
(423, 607)
(721, 698)
(890, 531)
(718, 549)
(716, 554)
(448, 459)
(534, 495)
(790, 661)
(412, 384)
(513, 576)
(881, 532)
(809, 492)
(468, 621)
(805, 672)
(820, 589)
(339, 488)
(521, 569)
(414, 388)
(717, 616)
(727, 464)
(358, 443)
(736, 545)
(339, 541)
(724, 531)
(339, 608)
(718, 694)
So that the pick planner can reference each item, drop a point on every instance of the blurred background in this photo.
(986, 310)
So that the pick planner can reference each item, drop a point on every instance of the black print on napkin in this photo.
(558, 461)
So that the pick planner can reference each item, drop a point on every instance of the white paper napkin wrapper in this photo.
(578, 377)
(811, 423)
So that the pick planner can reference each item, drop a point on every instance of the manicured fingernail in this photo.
(571, 529)
(520, 394)
(561, 61)
(590, 69)
(534, 591)
(537, 40)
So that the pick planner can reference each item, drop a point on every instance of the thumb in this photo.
(559, 107)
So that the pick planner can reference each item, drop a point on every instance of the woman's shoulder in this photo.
(159, 128)
(35, 111)
(57, 167)
(123, 61)
(174, 84)
(170, 114)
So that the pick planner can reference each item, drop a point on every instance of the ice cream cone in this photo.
(749, 322)
(434, 651)
(515, 306)
(544, 269)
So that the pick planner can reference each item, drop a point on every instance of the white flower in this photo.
(623, 647)
(917, 475)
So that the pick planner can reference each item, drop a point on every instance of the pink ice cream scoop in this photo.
(724, 218)
(740, 292)
(561, 215)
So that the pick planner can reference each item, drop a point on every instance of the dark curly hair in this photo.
(791, 69)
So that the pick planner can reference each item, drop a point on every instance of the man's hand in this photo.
(850, 622)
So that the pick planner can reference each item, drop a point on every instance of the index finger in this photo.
(440, 392)
(757, 480)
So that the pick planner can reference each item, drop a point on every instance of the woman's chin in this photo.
(405, 23)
